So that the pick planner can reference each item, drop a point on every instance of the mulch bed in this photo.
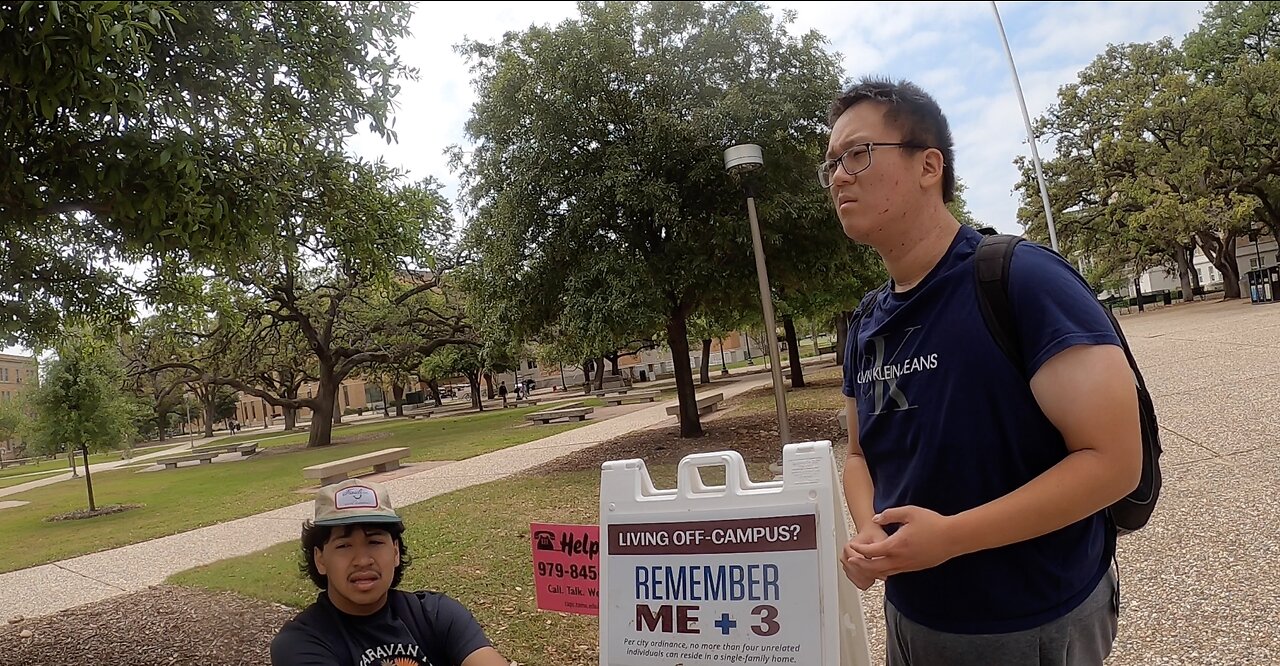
(81, 514)
(160, 626)
(755, 436)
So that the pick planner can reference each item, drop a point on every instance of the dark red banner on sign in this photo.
(566, 567)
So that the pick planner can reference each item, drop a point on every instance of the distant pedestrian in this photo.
(502, 391)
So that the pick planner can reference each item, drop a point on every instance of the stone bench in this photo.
(706, 404)
(521, 403)
(338, 470)
(609, 392)
(242, 447)
(443, 409)
(205, 458)
(579, 413)
(632, 398)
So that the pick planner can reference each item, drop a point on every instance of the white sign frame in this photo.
(805, 503)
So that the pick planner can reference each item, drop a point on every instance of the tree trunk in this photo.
(323, 409)
(1222, 254)
(71, 459)
(434, 385)
(678, 340)
(600, 374)
(161, 422)
(397, 394)
(208, 416)
(488, 383)
(793, 352)
(290, 414)
(817, 349)
(473, 380)
(705, 370)
(587, 367)
(88, 480)
(1230, 270)
(613, 365)
(1191, 262)
(1137, 290)
(1184, 275)
(842, 335)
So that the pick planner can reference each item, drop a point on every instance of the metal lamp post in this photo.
(1031, 135)
(739, 161)
(191, 433)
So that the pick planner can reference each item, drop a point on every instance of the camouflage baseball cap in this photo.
(354, 501)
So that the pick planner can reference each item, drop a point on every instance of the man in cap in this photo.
(354, 552)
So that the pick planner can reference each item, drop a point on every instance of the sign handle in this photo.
(690, 476)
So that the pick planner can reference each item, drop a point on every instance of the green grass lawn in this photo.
(474, 545)
(60, 463)
(194, 496)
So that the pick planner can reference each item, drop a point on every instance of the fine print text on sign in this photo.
(739, 591)
(566, 567)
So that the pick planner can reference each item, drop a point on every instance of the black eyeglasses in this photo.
(856, 160)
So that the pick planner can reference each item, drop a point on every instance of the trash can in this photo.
(1253, 287)
(1272, 276)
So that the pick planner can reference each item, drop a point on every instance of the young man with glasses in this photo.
(978, 495)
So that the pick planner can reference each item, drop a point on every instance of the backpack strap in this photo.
(868, 301)
(991, 265)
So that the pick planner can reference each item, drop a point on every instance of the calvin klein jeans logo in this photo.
(883, 374)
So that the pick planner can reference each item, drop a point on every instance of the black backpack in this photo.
(991, 263)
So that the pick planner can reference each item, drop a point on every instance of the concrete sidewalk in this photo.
(51, 588)
(93, 469)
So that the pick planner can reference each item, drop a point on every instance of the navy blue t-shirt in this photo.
(946, 422)
(443, 634)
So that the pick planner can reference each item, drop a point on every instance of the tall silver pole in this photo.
(191, 433)
(1031, 138)
(770, 329)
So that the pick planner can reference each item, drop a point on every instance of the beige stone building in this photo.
(17, 375)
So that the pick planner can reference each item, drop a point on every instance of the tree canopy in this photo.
(600, 147)
(1164, 148)
(174, 131)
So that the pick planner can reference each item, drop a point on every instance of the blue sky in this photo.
(952, 49)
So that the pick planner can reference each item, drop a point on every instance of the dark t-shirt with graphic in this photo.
(322, 635)
(946, 422)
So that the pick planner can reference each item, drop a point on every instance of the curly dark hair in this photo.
(910, 109)
(316, 536)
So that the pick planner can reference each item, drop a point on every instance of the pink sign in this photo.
(566, 567)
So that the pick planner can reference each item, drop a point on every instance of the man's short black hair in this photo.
(910, 109)
(316, 536)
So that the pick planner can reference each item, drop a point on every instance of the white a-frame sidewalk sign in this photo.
(741, 573)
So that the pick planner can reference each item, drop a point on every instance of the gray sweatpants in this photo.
(1082, 637)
